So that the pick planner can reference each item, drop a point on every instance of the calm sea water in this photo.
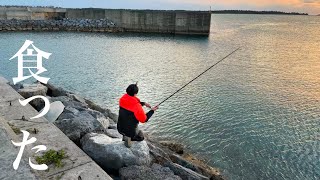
(255, 116)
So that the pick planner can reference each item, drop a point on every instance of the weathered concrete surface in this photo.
(156, 21)
(89, 171)
(31, 13)
(8, 153)
(76, 164)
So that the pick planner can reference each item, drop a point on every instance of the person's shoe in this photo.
(127, 141)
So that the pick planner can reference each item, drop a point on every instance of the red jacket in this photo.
(133, 104)
(130, 114)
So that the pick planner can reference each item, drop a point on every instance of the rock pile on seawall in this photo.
(93, 128)
(84, 25)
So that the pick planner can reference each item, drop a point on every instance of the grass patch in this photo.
(52, 157)
(15, 129)
(33, 130)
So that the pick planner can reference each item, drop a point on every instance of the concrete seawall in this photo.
(174, 22)
(154, 21)
(77, 165)
(30, 13)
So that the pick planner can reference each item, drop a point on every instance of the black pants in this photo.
(138, 137)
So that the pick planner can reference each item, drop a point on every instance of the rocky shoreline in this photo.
(93, 128)
(65, 24)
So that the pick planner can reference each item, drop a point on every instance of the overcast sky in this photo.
(309, 6)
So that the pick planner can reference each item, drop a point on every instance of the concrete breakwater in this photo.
(93, 128)
(155, 21)
(85, 25)
(77, 165)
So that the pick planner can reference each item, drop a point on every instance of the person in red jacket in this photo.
(131, 114)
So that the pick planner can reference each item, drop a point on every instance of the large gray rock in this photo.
(156, 172)
(185, 173)
(69, 102)
(113, 116)
(112, 124)
(34, 90)
(60, 98)
(111, 153)
(77, 125)
(77, 98)
(105, 111)
(181, 161)
(159, 155)
(72, 110)
(56, 109)
(55, 91)
(16, 86)
(77, 119)
(114, 133)
(96, 107)
(30, 90)
(100, 117)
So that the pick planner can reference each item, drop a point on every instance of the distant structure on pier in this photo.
(155, 21)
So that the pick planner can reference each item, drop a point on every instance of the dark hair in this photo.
(132, 89)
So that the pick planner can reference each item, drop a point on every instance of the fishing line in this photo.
(198, 76)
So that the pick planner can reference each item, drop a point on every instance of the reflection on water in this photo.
(255, 116)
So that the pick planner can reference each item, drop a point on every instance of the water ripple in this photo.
(255, 116)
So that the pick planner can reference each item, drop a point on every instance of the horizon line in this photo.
(158, 9)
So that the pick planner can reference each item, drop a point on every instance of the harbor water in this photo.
(254, 116)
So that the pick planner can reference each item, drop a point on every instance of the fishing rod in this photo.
(198, 76)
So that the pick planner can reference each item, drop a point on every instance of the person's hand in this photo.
(154, 108)
(147, 105)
